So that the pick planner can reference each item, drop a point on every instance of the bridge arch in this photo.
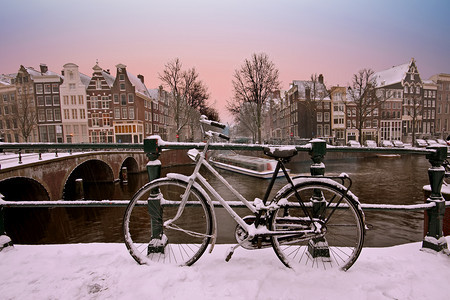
(94, 172)
(130, 164)
(25, 224)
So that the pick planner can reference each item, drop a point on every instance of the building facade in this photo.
(74, 104)
(442, 81)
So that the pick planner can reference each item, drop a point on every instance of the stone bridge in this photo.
(54, 178)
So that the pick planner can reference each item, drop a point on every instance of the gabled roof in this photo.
(303, 84)
(5, 79)
(85, 79)
(35, 73)
(393, 75)
(109, 78)
(153, 93)
(138, 84)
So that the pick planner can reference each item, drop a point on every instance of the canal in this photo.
(380, 180)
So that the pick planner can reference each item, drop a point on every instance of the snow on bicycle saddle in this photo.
(280, 152)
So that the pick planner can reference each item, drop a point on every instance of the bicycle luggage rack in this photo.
(434, 206)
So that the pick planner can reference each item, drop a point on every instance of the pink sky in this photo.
(335, 38)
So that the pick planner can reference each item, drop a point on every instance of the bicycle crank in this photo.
(257, 242)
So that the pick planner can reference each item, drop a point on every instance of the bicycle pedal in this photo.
(229, 254)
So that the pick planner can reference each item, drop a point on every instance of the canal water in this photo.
(380, 180)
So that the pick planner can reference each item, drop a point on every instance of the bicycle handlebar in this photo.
(212, 123)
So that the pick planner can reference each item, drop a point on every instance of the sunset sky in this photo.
(334, 38)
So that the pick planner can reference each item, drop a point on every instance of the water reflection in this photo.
(375, 180)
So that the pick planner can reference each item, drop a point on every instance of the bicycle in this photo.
(312, 221)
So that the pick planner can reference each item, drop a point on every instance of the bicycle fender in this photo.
(202, 191)
(329, 181)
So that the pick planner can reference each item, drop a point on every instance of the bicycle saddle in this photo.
(280, 152)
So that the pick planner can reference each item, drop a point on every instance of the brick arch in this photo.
(91, 171)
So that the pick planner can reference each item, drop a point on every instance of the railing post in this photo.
(318, 247)
(153, 203)
(317, 153)
(5, 241)
(434, 238)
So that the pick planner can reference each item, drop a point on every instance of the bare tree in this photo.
(364, 98)
(24, 113)
(189, 93)
(253, 84)
(414, 109)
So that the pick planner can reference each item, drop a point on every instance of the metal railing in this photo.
(153, 146)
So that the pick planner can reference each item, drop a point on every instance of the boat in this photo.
(247, 165)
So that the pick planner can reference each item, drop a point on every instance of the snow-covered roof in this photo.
(392, 75)
(303, 84)
(5, 79)
(109, 78)
(153, 93)
(35, 73)
(85, 79)
(138, 84)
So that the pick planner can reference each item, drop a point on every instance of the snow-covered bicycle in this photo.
(312, 221)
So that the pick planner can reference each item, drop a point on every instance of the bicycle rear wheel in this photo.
(149, 240)
(343, 226)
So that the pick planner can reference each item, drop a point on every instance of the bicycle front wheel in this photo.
(150, 240)
(340, 219)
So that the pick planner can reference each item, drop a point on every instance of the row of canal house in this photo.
(72, 107)
(409, 105)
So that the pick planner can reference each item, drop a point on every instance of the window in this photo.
(105, 102)
(39, 89)
(106, 120)
(319, 117)
(123, 99)
(49, 114)
(121, 77)
(80, 99)
(55, 88)
(73, 100)
(326, 117)
(74, 114)
(98, 84)
(116, 113)
(66, 100)
(71, 86)
(130, 98)
(41, 115)
(94, 102)
(122, 86)
(131, 113)
(56, 100)
(116, 99)
(48, 100)
(319, 130)
(57, 115)
(6, 110)
(66, 114)
(124, 113)
(82, 114)
(47, 88)
(95, 120)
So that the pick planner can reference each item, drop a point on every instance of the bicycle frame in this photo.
(249, 228)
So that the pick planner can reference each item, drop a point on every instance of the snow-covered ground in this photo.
(107, 271)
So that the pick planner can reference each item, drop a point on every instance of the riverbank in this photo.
(107, 271)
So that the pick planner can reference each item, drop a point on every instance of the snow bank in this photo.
(107, 271)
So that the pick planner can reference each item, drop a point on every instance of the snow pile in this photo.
(107, 271)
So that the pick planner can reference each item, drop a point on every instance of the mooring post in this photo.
(434, 238)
